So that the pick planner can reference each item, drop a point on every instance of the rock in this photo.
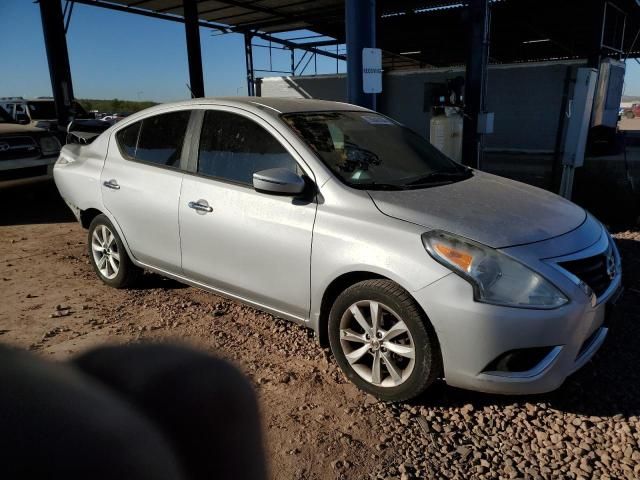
(464, 452)
(61, 312)
(542, 437)
(370, 400)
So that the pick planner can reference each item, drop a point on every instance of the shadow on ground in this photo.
(33, 203)
(150, 281)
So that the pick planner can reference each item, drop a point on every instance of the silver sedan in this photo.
(410, 266)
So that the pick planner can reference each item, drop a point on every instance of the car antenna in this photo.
(192, 95)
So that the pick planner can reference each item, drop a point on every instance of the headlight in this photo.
(495, 277)
(49, 145)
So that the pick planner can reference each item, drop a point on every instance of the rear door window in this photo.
(161, 138)
(127, 140)
(233, 148)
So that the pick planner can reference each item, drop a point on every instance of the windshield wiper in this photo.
(441, 176)
(379, 186)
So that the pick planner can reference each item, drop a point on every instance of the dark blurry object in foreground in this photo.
(139, 412)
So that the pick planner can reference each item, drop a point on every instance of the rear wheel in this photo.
(108, 255)
(629, 114)
(383, 341)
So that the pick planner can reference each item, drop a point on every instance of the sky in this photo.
(131, 57)
(119, 55)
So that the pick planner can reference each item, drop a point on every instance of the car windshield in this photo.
(370, 151)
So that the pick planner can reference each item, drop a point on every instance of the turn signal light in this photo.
(460, 258)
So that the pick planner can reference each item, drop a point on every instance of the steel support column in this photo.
(360, 33)
(475, 80)
(293, 62)
(595, 15)
(58, 59)
(194, 53)
(248, 53)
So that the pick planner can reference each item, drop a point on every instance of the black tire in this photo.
(629, 114)
(127, 273)
(427, 364)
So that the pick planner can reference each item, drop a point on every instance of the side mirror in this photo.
(279, 181)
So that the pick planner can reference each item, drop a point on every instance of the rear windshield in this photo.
(370, 151)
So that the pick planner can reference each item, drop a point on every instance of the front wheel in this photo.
(383, 341)
(108, 255)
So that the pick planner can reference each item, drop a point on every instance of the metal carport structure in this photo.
(411, 33)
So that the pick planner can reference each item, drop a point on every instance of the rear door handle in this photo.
(112, 184)
(201, 206)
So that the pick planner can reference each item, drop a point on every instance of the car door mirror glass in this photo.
(279, 181)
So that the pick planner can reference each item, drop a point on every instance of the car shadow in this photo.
(33, 203)
(152, 281)
(608, 385)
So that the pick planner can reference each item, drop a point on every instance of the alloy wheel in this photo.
(105, 252)
(377, 343)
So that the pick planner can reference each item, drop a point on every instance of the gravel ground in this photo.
(318, 426)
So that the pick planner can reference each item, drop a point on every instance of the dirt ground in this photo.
(317, 425)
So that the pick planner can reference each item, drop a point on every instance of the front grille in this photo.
(592, 270)
(15, 148)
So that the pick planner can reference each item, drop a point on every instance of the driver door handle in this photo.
(200, 207)
(112, 184)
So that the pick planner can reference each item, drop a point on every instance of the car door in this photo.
(248, 244)
(141, 182)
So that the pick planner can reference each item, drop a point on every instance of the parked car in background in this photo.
(26, 152)
(408, 264)
(115, 117)
(37, 112)
(632, 112)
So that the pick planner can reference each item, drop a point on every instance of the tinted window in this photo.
(4, 116)
(42, 110)
(233, 147)
(161, 137)
(127, 139)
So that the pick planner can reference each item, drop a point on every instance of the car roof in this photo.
(274, 104)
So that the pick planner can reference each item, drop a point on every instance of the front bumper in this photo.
(473, 335)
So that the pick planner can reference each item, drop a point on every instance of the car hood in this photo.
(492, 210)
(12, 128)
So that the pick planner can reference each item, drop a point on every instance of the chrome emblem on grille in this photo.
(4, 147)
(611, 266)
